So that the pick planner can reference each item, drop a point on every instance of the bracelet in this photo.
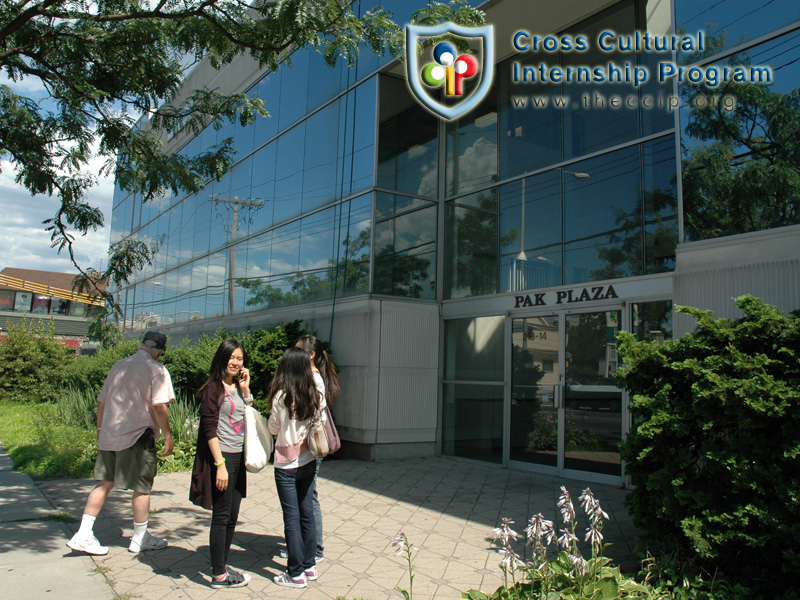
(220, 463)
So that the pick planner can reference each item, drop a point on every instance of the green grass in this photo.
(41, 445)
(60, 517)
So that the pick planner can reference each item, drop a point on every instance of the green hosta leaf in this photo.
(475, 595)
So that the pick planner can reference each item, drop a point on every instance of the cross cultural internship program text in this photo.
(636, 75)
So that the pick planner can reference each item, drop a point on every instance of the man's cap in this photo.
(154, 339)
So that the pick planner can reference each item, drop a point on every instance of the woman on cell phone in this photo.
(219, 479)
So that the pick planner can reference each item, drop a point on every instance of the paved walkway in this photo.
(446, 507)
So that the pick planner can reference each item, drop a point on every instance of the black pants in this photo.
(224, 514)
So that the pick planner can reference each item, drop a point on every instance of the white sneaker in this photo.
(149, 542)
(88, 544)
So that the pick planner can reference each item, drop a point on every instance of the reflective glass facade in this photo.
(740, 171)
(566, 208)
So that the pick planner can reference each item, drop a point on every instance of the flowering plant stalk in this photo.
(400, 542)
(511, 561)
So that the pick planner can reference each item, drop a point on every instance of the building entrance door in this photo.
(565, 412)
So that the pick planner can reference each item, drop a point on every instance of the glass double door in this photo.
(565, 410)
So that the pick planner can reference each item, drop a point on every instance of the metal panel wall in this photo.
(764, 264)
(408, 371)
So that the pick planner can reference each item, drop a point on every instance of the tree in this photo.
(713, 455)
(105, 64)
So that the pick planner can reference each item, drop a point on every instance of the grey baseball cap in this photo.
(154, 339)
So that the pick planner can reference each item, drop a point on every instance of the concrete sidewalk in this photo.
(35, 562)
(446, 507)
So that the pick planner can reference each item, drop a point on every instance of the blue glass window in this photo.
(739, 168)
(407, 142)
(405, 249)
(602, 218)
(531, 233)
(733, 22)
(470, 264)
(289, 173)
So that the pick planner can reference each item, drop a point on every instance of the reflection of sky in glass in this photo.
(289, 173)
(530, 212)
(294, 78)
(590, 206)
(321, 150)
(738, 20)
(317, 240)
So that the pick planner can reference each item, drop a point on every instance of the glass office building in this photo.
(472, 275)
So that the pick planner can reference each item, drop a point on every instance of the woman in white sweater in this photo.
(295, 400)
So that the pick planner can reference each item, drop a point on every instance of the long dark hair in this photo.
(323, 362)
(295, 379)
(219, 366)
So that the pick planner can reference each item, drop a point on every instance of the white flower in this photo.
(594, 537)
(578, 563)
(565, 506)
(591, 507)
(540, 530)
(511, 561)
(567, 539)
(400, 541)
(504, 533)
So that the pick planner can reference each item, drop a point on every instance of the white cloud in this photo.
(25, 244)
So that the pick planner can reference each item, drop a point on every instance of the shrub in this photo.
(714, 453)
(188, 363)
(32, 362)
(89, 372)
(265, 348)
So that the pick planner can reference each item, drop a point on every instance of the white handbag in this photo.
(257, 440)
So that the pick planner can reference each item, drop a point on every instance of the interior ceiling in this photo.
(537, 17)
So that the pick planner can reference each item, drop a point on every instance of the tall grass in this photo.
(78, 407)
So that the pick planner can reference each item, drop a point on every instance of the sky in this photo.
(24, 243)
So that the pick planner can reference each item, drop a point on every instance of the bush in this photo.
(32, 362)
(265, 347)
(188, 363)
(89, 372)
(714, 454)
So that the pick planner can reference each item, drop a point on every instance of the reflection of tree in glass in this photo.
(746, 175)
(586, 347)
(476, 241)
(544, 437)
(352, 275)
(623, 251)
(523, 371)
(399, 274)
(525, 377)
(652, 317)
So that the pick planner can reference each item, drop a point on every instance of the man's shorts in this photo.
(134, 468)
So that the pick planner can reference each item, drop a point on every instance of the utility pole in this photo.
(232, 265)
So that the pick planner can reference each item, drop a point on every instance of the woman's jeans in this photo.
(296, 493)
(318, 513)
(224, 514)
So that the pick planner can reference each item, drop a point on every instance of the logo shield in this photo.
(486, 35)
